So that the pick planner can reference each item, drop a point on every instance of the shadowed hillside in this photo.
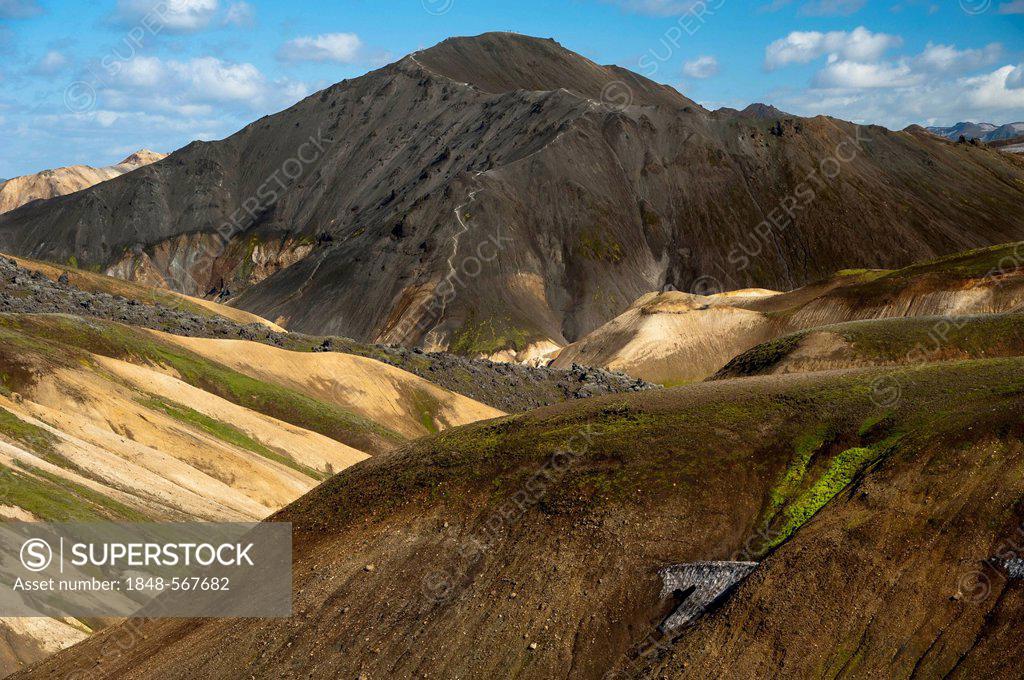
(536, 540)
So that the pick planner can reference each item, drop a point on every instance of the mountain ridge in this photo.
(50, 183)
(985, 132)
(436, 214)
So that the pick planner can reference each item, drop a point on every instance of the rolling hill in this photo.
(536, 541)
(103, 420)
(676, 337)
(503, 195)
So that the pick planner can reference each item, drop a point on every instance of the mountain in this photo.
(757, 110)
(501, 195)
(540, 542)
(674, 337)
(985, 132)
(49, 183)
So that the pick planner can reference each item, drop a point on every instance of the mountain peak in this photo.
(505, 62)
(142, 157)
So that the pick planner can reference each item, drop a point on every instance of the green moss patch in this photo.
(54, 338)
(762, 358)
(488, 336)
(837, 475)
(54, 499)
(597, 245)
(225, 433)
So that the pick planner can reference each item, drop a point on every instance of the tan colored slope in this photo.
(675, 337)
(394, 398)
(98, 283)
(671, 338)
(106, 425)
(18, 191)
(90, 437)
(103, 421)
(26, 640)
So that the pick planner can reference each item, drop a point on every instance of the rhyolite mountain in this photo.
(502, 192)
(18, 191)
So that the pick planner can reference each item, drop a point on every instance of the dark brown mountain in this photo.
(499, 191)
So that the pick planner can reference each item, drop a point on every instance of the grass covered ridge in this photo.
(58, 340)
(226, 433)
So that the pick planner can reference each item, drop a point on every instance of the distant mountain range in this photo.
(60, 181)
(985, 132)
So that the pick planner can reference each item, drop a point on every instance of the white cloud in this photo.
(859, 75)
(948, 58)
(19, 9)
(150, 82)
(173, 16)
(51, 63)
(701, 67)
(339, 47)
(832, 8)
(658, 8)
(1015, 79)
(1014, 7)
(801, 47)
(934, 99)
(1001, 89)
(240, 14)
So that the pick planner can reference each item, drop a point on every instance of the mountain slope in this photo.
(100, 421)
(675, 337)
(883, 342)
(563, 582)
(501, 192)
(18, 191)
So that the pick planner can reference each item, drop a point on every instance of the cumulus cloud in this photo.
(832, 8)
(172, 16)
(187, 86)
(995, 97)
(701, 67)
(240, 14)
(338, 47)
(1001, 89)
(50, 64)
(948, 58)
(801, 47)
(19, 9)
(858, 75)
(1015, 79)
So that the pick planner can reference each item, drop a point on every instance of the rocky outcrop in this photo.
(698, 587)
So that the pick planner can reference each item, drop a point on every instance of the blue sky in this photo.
(89, 82)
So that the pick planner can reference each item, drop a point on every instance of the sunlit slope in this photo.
(884, 342)
(676, 337)
(387, 395)
(101, 421)
(88, 434)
